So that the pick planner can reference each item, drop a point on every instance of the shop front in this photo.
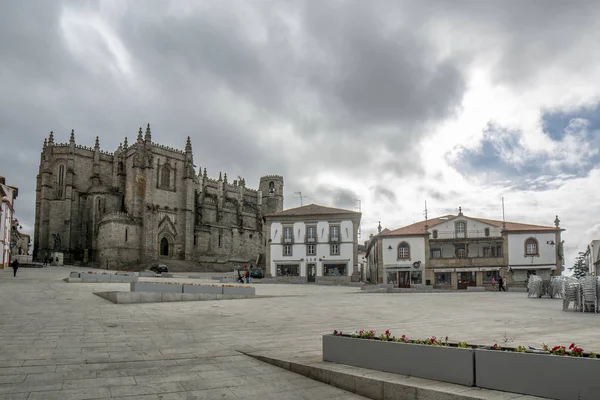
(462, 278)
(403, 276)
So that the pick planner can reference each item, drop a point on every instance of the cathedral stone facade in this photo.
(144, 202)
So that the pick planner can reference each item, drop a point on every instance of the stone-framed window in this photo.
(166, 177)
(435, 233)
(532, 248)
(126, 234)
(311, 234)
(311, 249)
(288, 234)
(460, 229)
(436, 253)
(486, 231)
(287, 250)
(461, 251)
(403, 251)
(334, 249)
(334, 233)
(60, 181)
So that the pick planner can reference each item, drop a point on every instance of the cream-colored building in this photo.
(313, 243)
(8, 194)
(457, 251)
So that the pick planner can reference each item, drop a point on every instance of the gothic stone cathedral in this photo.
(144, 202)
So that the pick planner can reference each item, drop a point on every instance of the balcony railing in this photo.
(465, 235)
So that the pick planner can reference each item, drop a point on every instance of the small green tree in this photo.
(579, 267)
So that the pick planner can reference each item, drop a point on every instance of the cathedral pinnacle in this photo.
(72, 138)
(45, 144)
(220, 176)
(51, 138)
(125, 145)
(188, 145)
(204, 176)
(139, 138)
(97, 145)
(225, 179)
(148, 136)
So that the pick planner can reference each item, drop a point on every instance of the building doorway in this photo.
(164, 247)
(311, 272)
(404, 279)
(465, 279)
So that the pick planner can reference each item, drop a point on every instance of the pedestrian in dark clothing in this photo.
(240, 279)
(15, 267)
(501, 284)
(45, 260)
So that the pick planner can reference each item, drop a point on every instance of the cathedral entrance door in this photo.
(164, 247)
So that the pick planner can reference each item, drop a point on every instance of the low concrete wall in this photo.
(375, 287)
(191, 289)
(333, 280)
(84, 277)
(154, 297)
(475, 289)
(148, 274)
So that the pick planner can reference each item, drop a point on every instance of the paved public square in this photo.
(60, 341)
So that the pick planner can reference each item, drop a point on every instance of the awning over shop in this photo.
(531, 267)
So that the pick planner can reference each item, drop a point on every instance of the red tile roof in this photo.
(311, 209)
(418, 229)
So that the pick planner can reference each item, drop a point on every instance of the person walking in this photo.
(501, 284)
(493, 282)
(247, 275)
(15, 267)
(240, 279)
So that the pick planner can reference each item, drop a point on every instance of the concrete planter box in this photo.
(448, 364)
(245, 291)
(203, 289)
(97, 277)
(123, 278)
(155, 287)
(544, 375)
(74, 275)
(148, 274)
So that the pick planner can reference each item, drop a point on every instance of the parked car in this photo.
(159, 268)
(257, 273)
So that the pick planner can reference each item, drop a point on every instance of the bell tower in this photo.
(271, 188)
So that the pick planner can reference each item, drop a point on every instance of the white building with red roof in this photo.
(313, 243)
(458, 251)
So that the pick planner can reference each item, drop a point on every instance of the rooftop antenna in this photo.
(360, 211)
(503, 219)
(299, 197)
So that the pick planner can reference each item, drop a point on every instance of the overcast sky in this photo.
(391, 102)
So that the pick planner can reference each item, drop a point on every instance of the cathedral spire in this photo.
(45, 144)
(204, 176)
(148, 136)
(188, 145)
(225, 179)
(220, 176)
(51, 138)
(97, 145)
(72, 138)
(125, 145)
(139, 138)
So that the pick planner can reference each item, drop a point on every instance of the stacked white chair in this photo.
(535, 286)
(570, 293)
(589, 296)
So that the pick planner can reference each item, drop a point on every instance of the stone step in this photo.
(375, 384)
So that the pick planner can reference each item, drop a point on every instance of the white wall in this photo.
(417, 250)
(474, 227)
(346, 252)
(516, 249)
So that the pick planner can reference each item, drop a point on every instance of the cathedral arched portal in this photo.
(165, 246)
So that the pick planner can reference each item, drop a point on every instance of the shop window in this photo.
(392, 278)
(488, 275)
(443, 278)
(334, 270)
(416, 278)
(288, 270)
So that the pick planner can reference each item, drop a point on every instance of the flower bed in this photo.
(557, 372)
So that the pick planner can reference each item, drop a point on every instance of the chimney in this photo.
(2, 180)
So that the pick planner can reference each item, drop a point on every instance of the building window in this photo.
(487, 252)
(335, 249)
(488, 275)
(311, 250)
(126, 234)
(220, 237)
(334, 270)
(498, 252)
(287, 250)
(416, 278)
(461, 229)
(288, 234)
(403, 251)
(271, 187)
(531, 247)
(165, 176)
(195, 240)
(311, 234)
(436, 253)
(461, 251)
(334, 233)
(443, 278)
(486, 231)
(435, 233)
(288, 270)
